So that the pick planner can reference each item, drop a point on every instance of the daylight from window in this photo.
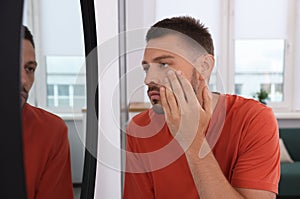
(259, 64)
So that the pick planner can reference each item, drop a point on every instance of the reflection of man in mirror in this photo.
(45, 139)
(213, 145)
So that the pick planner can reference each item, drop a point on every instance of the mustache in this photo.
(152, 88)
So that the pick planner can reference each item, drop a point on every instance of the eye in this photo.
(164, 65)
(146, 67)
(30, 69)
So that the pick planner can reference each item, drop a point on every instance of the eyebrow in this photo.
(157, 59)
(32, 63)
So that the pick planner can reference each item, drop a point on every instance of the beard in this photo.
(156, 106)
(153, 88)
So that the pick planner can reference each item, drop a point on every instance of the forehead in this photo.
(167, 44)
(171, 44)
(28, 50)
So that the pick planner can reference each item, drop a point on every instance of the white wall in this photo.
(140, 15)
(61, 27)
(108, 176)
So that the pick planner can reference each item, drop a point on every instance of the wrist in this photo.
(198, 150)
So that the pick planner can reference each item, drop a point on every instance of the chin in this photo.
(23, 101)
(155, 102)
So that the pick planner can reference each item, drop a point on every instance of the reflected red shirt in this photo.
(46, 155)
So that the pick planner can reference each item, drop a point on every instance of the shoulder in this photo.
(255, 121)
(141, 118)
(249, 108)
(43, 124)
(41, 115)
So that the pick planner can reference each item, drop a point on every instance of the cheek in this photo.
(30, 80)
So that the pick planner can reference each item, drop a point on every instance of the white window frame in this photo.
(286, 104)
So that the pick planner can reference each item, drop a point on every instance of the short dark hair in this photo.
(28, 35)
(185, 25)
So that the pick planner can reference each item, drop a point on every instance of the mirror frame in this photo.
(90, 43)
(12, 172)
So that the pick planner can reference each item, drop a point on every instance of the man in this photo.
(45, 139)
(194, 143)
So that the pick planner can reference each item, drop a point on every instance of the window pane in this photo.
(79, 102)
(260, 19)
(79, 90)
(50, 102)
(259, 64)
(266, 87)
(64, 102)
(50, 90)
(238, 89)
(66, 78)
(63, 90)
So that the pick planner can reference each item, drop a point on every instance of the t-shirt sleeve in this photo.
(56, 181)
(138, 183)
(258, 162)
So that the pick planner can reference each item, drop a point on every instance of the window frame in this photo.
(288, 83)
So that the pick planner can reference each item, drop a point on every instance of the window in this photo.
(60, 76)
(259, 64)
(266, 87)
(65, 82)
(260, 49)
(238, 89)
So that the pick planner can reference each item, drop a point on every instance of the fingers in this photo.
(188, 90)
(184, 92)
(176, 86)
(168, 100)
(164, 102)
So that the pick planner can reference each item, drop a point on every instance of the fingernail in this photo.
(178, 72)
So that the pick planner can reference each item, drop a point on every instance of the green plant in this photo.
(262, 95)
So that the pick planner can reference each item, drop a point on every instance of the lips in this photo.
(24, 95)
(154, 95)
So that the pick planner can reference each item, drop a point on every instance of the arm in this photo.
(211, 183)
(208, 177)
(56, 181)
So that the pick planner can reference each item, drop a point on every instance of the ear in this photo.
(205, 65)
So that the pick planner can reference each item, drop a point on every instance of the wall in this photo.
(76, 135)
(108, 175)
(289, 123)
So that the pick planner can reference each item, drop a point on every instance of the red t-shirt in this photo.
(46, 155)
(246, 148)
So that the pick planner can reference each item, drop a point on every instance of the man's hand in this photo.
(187, 114)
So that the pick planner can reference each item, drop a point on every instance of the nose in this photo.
(152, 76)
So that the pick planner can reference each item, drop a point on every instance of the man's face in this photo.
(161, 55)
(28, 66)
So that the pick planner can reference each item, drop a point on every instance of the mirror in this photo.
(60, 83)
(60, 78)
